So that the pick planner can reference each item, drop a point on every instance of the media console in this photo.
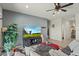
(31, 41)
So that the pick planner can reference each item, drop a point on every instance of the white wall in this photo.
(55, 33)
(62, 26)
(77, 26)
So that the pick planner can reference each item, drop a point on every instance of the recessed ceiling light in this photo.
(27, 6)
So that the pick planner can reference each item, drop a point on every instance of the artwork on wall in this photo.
(53, 25)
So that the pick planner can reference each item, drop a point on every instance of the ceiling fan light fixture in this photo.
(60, 10)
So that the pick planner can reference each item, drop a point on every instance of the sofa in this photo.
(70, 50)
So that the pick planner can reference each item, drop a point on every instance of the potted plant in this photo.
(10, 38)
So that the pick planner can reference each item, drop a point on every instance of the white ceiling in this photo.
(39, 9)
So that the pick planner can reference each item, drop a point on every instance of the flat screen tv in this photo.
(32, 31)
(32, 35)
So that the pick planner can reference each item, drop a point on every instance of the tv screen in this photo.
(32, 31)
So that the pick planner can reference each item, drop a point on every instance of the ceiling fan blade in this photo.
(67, 5)
(64, 10)
(50, 10)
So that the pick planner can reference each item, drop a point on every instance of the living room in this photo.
(56, 22)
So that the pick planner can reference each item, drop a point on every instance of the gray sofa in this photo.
(71, 50)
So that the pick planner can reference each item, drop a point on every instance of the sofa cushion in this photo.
(67, 50)
(73, 44)
(43, 50)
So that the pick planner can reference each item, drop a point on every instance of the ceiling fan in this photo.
(59, 7)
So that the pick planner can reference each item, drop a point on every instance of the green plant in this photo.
(10, 37)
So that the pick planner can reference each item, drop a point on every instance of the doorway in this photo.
(68, 30)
